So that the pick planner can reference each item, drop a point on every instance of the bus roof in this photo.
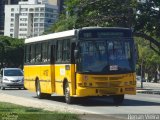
(67, 33)
(51, 36)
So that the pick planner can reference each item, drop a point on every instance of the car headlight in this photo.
(22, 80)
(5, 79)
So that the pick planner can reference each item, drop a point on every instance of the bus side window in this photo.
(44, 52)
(38, 52)
(28, 53)
(52, 53)
(59, 51)
(66, 50)
(32, 53)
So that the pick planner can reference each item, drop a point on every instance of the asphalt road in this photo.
(133, 104)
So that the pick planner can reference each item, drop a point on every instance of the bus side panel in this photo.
(26, 80)
(60, 74)
(31, 73)
(43, 73)
(46, 79)
(73, 80)
(65, 72)
(131, 89)
(53, 78)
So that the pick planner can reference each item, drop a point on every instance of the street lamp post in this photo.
(142, 74)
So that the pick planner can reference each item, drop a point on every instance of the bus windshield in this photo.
(106, 56)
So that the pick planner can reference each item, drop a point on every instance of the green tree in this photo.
(13, 51)
(64, 23)
(143, 17)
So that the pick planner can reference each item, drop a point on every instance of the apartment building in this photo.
(29, 18)
(2, 15)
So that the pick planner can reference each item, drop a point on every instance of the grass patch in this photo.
(10, 111)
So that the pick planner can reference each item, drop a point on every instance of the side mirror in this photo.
(76, 53)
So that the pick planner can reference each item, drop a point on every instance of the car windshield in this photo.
(15, 72)
(105, 56)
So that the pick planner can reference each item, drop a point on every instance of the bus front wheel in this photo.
(118, 99)
(68, 98)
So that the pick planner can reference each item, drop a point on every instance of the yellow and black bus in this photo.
(92, 61)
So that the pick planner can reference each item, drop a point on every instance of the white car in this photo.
(11, 78)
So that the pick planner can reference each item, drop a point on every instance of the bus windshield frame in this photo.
(106, 56)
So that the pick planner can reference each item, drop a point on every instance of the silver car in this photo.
(11, 78)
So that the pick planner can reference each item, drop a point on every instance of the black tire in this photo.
(24, 88)
(38, 90)
(118, 99)
(2, 88)
(47, 95)
(68, 98)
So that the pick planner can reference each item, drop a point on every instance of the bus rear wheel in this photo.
(38, 90)
(68, 98)
(118, 99)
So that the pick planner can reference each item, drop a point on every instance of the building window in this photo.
(23, 29)
(35, 34)
(41, 30)
(41, 19)
(35, 29)
(36, 19)
(12, 25)
(41, 14)
(35, 24)
(23, 19)
(12, 19)
(23, 35)
(23, 14)
(23, 24)
(36, 9)
(11, 35)
(12, 14)
(36, 14)
(46, 15)
(41, 9)
(11, 30)
(41, 24)
(31, 9)
(24, 9)
(12, 9)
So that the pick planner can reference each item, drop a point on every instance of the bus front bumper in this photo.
(84, 91)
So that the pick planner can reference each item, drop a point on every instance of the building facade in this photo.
(29, 18)
(2, 15)
(60, 4)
